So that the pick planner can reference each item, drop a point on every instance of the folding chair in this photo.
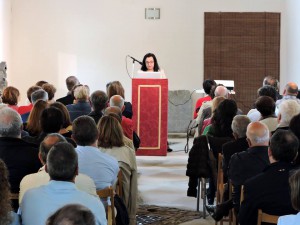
(108, 195)
(266, 218)
(119, 184)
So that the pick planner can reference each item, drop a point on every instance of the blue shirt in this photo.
(289, 220)
(101, 167)
(39, 203)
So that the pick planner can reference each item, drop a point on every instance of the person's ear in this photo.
(249, 142)
(46, 168)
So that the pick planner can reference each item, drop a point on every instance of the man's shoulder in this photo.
(17, 143)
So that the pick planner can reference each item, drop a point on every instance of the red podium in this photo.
(150, 115)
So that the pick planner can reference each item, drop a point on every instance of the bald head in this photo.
(45, 146)
(113, 110)
(221, 91)
(117, 100)
(258, 134)
(291, 88)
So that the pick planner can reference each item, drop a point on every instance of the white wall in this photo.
(5, 23)
(291, 65)
(90, 39)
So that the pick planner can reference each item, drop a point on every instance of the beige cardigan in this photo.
(127, 163)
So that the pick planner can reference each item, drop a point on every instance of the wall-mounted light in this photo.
(152, 13)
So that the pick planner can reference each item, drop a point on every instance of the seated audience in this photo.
(207, 86)
(294, 182)
(81, 104)
(111, 142)
(7, 215)
(33, 124)
(27, 108)
(101, 167)
(82, 182)
(99, 101)
(266, 107)
(51, 122)
(35, 96)
(66, 129)
(71, 82)
(290, 92)
(272, 81)
(116, 88)
(62, 166)
(269, 191)
(239, 127)
(241, 166)
(287, 110)
(127, 125)
(20, 157)
(295, 128)
(10, 96)
(72, 214)
(51, 90)
(266, 90)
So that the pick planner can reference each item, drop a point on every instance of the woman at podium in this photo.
(150, 65)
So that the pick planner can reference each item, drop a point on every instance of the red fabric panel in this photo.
(150, 114)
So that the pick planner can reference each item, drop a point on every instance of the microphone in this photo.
(135, 60)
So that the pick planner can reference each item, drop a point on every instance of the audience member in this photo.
(41, 83)
(101, 167)
(111, 142)
(33, 124)
(215, 103)
(295, 128)
(266, 90)
(67, 124)
(287, 110)
(27, 108)
(294, 182)
(207, 86)
(7, 216)
(239, 127)
(116, 88)
(81, 104)
(82, 182)
(271, 81)
(62, 166)
(10, 96)
(269, 191)
(51, 122)
(265, 105)
(127, 125)
(290, 92)
(117, 113)
(72, 214)
(71, 81)
(39, 94)
(20, 157)
(51, 90)
(99, 101)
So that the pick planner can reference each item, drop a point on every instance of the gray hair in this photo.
(45, 146)
(239, 125)
(288, 109)
(82, 92)
(117, 100)
(62, 162)
(71, 81)
(262, 138)
(39, 95)
(10, 123)
(221, 91)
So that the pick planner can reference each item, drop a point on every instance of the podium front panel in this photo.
(150, 114)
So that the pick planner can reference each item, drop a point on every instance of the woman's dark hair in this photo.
(222, 118)
(66, 115)
(5, 204)
(156, 66)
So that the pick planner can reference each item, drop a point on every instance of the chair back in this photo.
(14, 196)
(266, 218)
(108, 195)
(119, 185)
